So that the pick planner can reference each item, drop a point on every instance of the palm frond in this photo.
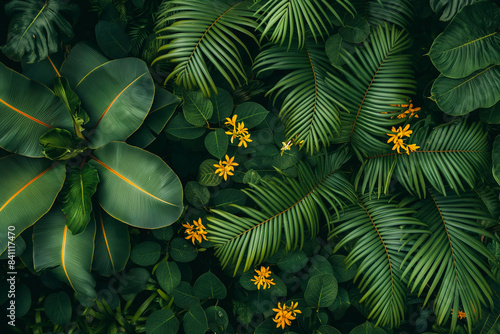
(378, 78)
(289, 206)
(449, 155)
(291, 19)
(450, 264)
(203, 32)
(308, 109)
(398, 12)
(376, 227)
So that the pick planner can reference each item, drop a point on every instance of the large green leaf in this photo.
(216, 143)
(470, 42)
(117, 97)
(27, 110)
(209, 286)
(55, 246)
(33, 31)
(162, 322)
(77, 194)
(197, 108)
(137, 187)
(112, 39)
(82, 60)
(180, 128)
(164, 105)
(460, 96)
(58, 307)
(321, 290)
(112, 244)
(29, 188)
(449, 7)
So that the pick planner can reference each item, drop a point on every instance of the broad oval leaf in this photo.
(117, 97)
(78, 190)
(55, 246)
(470, 42)
(168, 275)
(183, 295)
(137, 187)
(34, 29)
(162, 322)
(355, 29)
(206, 174)
(460, 96)
(321, 290)
(197, 108)
(491, 115)
(182, 251)
(24, 120)
(146, 253)
(180, 128)
(251, 113)
(367, 328)
(112, 244)
(27, 193)
(196, 194)
(195, 320)
(82, 60)
(58, 308)
(217, 319)
(216, 143)
(209, 286)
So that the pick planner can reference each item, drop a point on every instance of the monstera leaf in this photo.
(33, 28)
(470, 42)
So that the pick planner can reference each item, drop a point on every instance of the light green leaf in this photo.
(197, 108)
(28, 179)
(55, 246)
(112, 244)
(216, 143)
(209, 286)
(117, 97)
(24, 119)
(180, 128)
(145, 193)
(321, 290)
(168, 275)
(460, 96)
(77, 193)
(470, 42)
(60, 144)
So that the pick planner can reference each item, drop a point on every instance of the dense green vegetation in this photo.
(265, 166)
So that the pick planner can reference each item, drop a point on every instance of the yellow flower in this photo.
(196, 231)
(412, 148)
(231, 121)
(262, 278)
(285, 314)
(397, 138)
(405, 131)
(244, 139)
(411, 111)
(286, 146)
(461, 315)
(224, 168)
(229, 163)
(241, 130)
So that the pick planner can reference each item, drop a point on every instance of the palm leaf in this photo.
(290, 19)
(398, 12)
(203, 32)
(376, 228)
(378, 78)
(308, 108)
(450, 263)
(449, 155)
(289, 206)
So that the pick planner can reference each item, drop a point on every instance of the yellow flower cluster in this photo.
(461, 314)
(224, 168)
(196, 231)
(285, 314)
(239, 131)
(411, 111)
(397, 138)
(287, 145)
(262, 278)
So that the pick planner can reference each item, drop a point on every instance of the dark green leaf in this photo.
(355, 29)
(182, 251)
(196, 194)
(251, 113)
(321, 290)
(197, 108)
(223, 106)
(224, 198)
(209, 286)
(217, 319)
(206, 174)
(333, 48)
(293, 262)
(58, 308)
(162, 322)
(169, 275)
(183, 295)
(164, 233)
(216, 143)
(180, 128)
(77, 193)
(146, 253)
(112, 39)
(340, 271)
(195, 320)
(60, 144)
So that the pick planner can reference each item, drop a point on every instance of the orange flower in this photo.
(262, 278)
(285, 314)
(196, 231)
